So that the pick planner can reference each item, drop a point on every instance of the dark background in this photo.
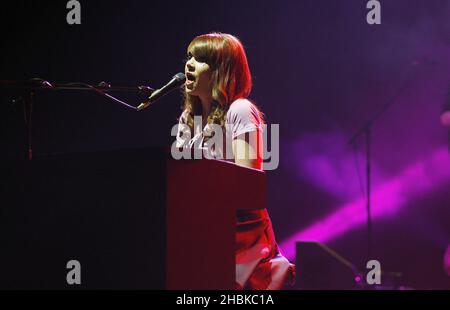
(320, 71)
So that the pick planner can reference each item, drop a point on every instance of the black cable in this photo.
(103, 94)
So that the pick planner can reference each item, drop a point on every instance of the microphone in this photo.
(177, 80)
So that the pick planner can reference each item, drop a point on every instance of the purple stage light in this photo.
(387, 200)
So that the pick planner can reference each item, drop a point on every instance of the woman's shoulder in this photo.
(242, 108)
(241, 104)
(243, 116)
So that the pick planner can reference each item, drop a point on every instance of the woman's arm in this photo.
(247, 150)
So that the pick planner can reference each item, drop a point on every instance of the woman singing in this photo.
(218, 83)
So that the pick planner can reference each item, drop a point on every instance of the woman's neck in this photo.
(206, 108)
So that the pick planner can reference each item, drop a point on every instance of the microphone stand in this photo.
(37, 84)
(366, 131)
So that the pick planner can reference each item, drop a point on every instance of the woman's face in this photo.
(198, 78)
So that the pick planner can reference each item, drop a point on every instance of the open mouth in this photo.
(189, 77)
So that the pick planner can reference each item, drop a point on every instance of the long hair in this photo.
(231, 75)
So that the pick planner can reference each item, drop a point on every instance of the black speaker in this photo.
(321, 268)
